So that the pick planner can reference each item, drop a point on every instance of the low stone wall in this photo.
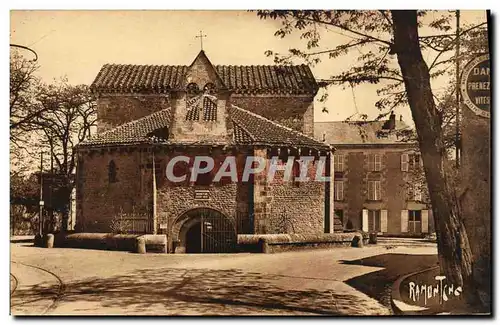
(107, 241)
(273, 243)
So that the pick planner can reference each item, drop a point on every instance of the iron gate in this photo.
(217, 232)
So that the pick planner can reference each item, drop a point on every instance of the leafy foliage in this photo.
(48, 118)
(369, 41)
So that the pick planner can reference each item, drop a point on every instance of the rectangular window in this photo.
(374, 220)
(414, 161)
(410, 162)
(338, 190)
(375, 162)
(374, 190)
(415, 221)
(378, 162)
(338, 163)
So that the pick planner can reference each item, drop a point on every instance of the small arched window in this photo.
(112, 172)
(209, 88)
(192, 89)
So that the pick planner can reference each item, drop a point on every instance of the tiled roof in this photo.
(248, 129)
(297, 79)
(359, 132)
(264, 131)
(138, 131)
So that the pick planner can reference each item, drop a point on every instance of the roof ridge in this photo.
(276, 124)
(215, 65)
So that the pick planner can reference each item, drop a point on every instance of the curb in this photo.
(398, 306)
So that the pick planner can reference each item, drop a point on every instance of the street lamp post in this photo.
(40, 221)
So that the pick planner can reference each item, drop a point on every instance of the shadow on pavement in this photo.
(378, 284)
(171, 291)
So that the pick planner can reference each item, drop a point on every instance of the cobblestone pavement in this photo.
(90, 282)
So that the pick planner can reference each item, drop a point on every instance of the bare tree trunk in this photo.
(455, 255)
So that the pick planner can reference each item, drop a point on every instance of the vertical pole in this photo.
(51, 188)
(457, 92)
(154, 194)
(40, 221)
(201, 231)
(331, 212)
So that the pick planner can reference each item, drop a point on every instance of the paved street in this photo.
(341, 281)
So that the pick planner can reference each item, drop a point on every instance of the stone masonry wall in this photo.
(114, 110)
(186, 130)
(288, 207)
(296, 112)
(100, 201)
(296, 207)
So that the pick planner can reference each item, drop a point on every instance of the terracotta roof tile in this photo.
(248, 129)
(296, 79)
(138, 131)
(264, 131)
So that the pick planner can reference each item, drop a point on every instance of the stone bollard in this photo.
(140, 245)
(38, 240)
(373, 238)
(48, 241)
(357, 241)
(263, 246)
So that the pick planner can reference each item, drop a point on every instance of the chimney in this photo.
(392, 121)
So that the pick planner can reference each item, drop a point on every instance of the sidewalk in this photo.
(315, 282)
(35, 292)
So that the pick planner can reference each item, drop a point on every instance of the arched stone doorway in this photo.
(205, 230)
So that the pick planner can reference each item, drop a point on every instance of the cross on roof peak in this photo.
(201, 39)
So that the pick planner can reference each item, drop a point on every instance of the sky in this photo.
(76, 44)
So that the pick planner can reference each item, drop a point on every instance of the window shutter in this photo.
(378, 195)
(371, 162)
(404, 220)
(338, 162)
(404, 162)
(425, 221)
(378, 162)
(364, 222)
(341, 190)
(383, 220)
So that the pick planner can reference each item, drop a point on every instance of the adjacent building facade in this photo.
(378, 180)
